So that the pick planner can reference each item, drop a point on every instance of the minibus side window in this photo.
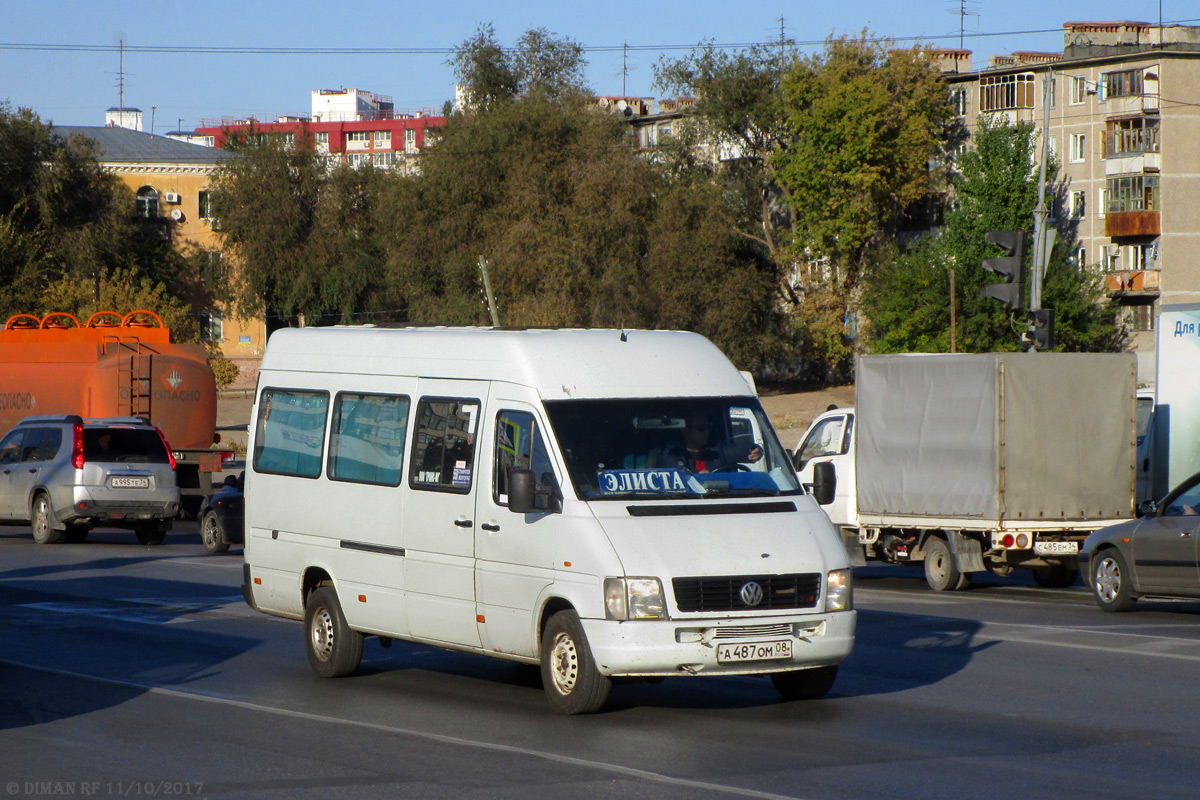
(366, 443)
(290, 432)
(443, 449)
(519, 445)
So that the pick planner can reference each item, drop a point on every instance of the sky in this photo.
(185, 64)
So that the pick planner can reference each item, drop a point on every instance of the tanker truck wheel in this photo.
(941, 573)
(42, 520)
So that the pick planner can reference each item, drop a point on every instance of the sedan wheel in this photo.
(210, 534)
(1111, 581)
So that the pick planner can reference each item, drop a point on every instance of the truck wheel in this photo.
(42, 519)
(210, 534)
(573, 684)
(805, 684)
(1054, 576)
(150, 532)
(334, 650)
(1110, 581)
(941, 573)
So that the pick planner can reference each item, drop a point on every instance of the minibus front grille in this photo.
(800, 590)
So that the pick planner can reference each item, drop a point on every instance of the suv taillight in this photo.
(77, 447)
(170, 455)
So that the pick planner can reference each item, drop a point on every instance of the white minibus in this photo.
(593, 501)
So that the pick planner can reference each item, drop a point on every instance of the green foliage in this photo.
(224, 370)
(908, 298)
(62, 217)
(539, 66)
(122, 292)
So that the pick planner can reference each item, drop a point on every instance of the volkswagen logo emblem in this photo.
(752, 594)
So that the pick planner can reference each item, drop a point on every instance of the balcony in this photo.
(1132, 223)
(1132, 283)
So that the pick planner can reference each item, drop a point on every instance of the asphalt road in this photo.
(138, 671)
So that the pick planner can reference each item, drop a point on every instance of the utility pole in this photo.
(487, 290)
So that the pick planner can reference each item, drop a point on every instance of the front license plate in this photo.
(118, 482)
(754, 651)
(1056, 548)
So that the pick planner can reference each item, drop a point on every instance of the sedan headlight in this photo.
(838, 594)
(634, 598)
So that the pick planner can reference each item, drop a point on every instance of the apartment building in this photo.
(349, 126)
(1124, 122)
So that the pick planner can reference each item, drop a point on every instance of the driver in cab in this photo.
(694, 453)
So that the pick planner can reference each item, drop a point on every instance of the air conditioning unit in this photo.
(177, 214)
(171, 197)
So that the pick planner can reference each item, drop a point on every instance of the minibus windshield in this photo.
(671, 448)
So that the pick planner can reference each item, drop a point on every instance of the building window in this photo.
(1132, 193)
(204, 198)
(383, 159)
(358, 136)
(321, 138)
(359, 159)
(1081, 259)
(383, 139)
(1123, 84)
(1127, 137)
(1078, 90)
(1005, 92)
(211, 270)
(212, 327)
(147, 202)
(958, 100)
(1103, 204)
(1078, 147)
(410, 140)
(1078, 204)
(1141, 318)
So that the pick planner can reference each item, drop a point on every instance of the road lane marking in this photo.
(655, 777)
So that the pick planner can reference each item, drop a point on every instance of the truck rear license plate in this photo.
(754, 651)
(1056, 548)
(125, 482)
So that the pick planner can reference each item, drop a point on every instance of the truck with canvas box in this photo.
(972, 462)
(606, 504)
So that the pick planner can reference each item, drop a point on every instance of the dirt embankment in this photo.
(792, 412)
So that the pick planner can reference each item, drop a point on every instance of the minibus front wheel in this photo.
(334, 650)
(572, 682)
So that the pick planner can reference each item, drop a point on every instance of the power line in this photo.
(444, 51)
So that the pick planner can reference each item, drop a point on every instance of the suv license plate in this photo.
(1056, 548)
(754, 651)
(129, 483)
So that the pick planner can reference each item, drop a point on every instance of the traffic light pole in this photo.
(1043, 234)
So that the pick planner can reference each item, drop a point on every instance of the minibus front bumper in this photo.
(737, 646)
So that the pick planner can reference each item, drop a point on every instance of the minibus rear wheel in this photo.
(334, 650)
(573, 684)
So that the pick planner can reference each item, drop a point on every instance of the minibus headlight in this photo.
(634, 598)
(838, 594)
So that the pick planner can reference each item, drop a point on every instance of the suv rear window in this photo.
(125, 445)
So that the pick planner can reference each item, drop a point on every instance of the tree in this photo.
(826, 154)
(995, 188)
(577, 231)
(299, 234)
(540, 65)
(865, 122)
(62, 217)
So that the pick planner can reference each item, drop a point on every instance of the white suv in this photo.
(66, 474)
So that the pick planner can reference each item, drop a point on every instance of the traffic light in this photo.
(1011, 267)
(1041, 328)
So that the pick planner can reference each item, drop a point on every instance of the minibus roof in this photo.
(558, 363)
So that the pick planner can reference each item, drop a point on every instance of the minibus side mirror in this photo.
(824, 482)
(520, 490)
(525, 495)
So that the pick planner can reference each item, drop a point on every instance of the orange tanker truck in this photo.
(115, 365)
